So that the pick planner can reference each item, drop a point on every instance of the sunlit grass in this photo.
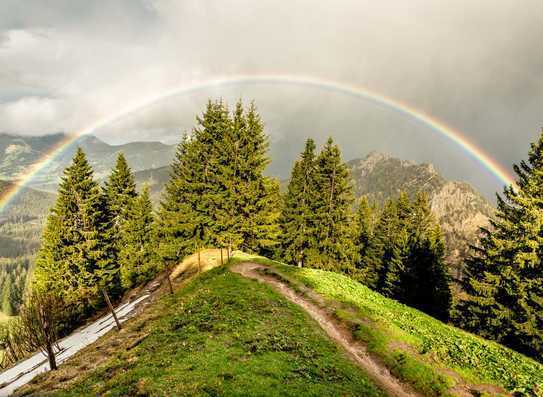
(415, 346)
(225, 335)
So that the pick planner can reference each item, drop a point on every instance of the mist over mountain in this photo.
(18, 152)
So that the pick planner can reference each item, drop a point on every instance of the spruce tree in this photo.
(372, 267)
(189, 217)
(426, 281)
(297, 227)
(120, 191)
(217, 194)
(364, 225)
(77, 257)
(504, 278)
(332, 213)
(255, 197)
(136, 255)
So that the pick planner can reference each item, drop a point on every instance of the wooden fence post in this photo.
(106, 296)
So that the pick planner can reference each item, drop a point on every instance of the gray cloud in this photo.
(474, 65)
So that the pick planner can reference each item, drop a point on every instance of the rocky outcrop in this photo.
(460, 208)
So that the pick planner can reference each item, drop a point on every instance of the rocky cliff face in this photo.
(460, 209)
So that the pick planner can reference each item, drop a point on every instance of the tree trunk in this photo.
(106, 296)
(51, 356)
(222, 262)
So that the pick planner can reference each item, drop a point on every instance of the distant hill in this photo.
(155, 178)
(22, 221)
(461, 209)
(18, 152)
(21, 225)
(29, 203)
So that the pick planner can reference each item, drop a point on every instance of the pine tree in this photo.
(387, 251)
(297, 228)
(364, 226)
(190, 217)
(504, 278)
(426, 281)
(373, 267)
(136, 255)
(332, 213)
(255, 197)
(77, 257)
(120, 191)
(217, 194)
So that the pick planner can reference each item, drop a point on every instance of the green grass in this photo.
(225, 335)
(417, 347)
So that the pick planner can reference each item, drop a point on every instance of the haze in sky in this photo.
(475, 65)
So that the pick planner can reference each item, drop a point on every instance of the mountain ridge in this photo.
(459, 207)
(17, 153)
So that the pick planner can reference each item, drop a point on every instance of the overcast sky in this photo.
(476, 65)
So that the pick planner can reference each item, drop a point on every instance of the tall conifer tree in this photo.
(333, 212)
(386, 251)
(405, 257)
(120, 191)
(217, 194)
(297, 226)
(189, 218)
(504, 280)
(426, 281)
(364, 225)
(255, 197)
(136, 255)
(77, 257)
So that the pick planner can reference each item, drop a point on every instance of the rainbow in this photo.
(9, 194)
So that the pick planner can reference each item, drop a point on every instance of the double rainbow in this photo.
(357, 92)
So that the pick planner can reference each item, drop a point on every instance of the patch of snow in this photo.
(26, 370)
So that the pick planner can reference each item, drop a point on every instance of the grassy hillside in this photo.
(227, 335)
(436, 358)
(221, 335)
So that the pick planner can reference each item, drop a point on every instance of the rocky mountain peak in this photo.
(460, 208)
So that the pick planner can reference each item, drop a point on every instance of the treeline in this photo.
(397, 250)
(20, 233)
(97, 240)
(13, 277)
(97, 244)
(504, 282)
(217, 195)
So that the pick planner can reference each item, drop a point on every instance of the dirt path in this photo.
(335, 330)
